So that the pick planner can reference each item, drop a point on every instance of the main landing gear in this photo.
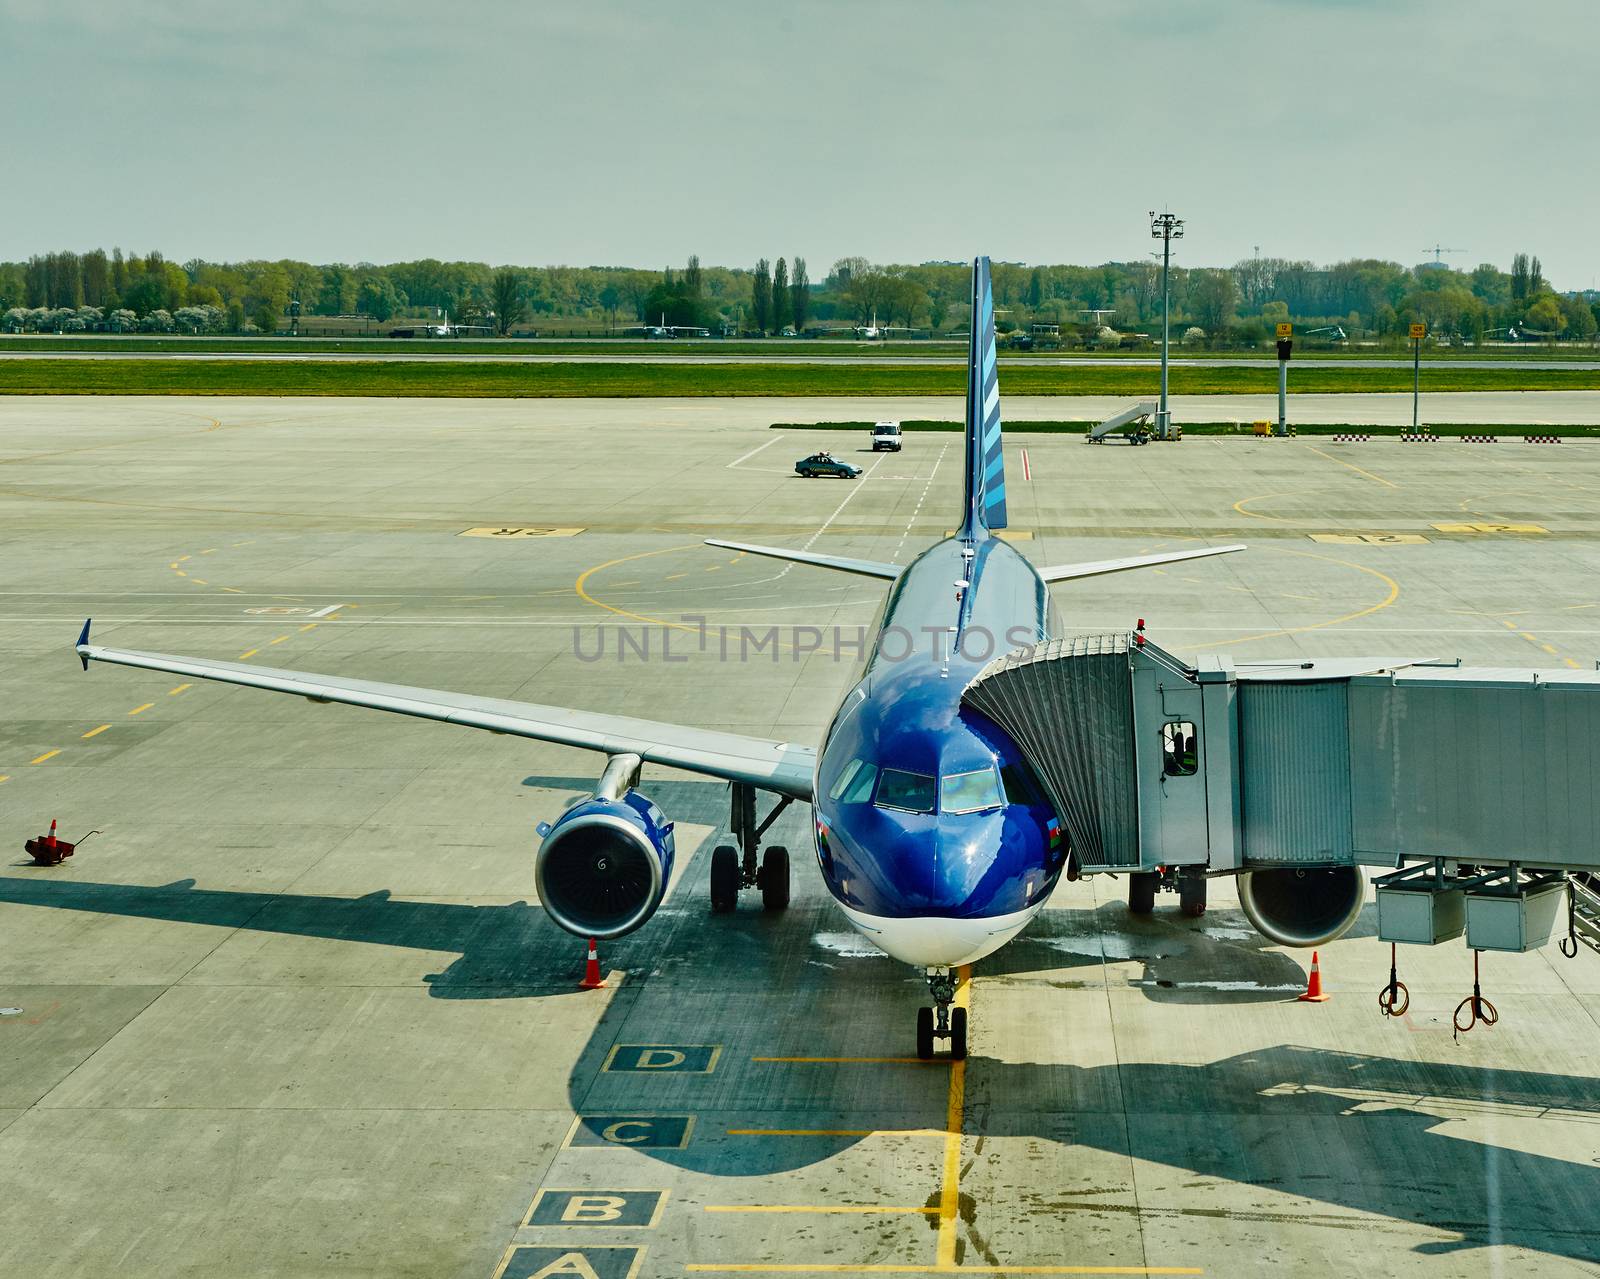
(942, 1021)
(1189, 882)
(733, 868)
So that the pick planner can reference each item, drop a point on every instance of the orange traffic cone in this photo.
(592, 980)
(1314, 993)
(50, 839)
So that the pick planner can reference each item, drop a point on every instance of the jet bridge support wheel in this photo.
(1192, 892)
(1142, 887)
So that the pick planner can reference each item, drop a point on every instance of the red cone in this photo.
(592, 980)
(1314, 993)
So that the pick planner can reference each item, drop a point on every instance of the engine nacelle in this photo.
(1302, 905)
(604, 866)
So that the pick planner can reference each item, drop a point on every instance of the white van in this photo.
(886, 437)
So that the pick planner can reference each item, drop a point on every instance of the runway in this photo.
(295, 1011)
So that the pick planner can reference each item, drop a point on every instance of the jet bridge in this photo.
(1483, 776)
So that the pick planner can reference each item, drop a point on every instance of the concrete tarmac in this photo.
(294, 1011)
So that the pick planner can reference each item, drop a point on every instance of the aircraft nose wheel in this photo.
(942, 1021)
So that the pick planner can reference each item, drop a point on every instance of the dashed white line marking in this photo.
(921, 498)
(754, 451)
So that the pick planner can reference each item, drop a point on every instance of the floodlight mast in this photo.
(1165, 227)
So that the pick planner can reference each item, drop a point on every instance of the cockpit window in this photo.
(855, 783)
(912, 792)
(969, 792)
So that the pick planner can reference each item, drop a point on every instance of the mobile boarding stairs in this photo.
(1474, 787)
(1133, 422)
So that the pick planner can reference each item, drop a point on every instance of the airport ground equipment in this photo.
(1133, 422)
(47, 850)
(1583, 914)
(1472, 785)
(1479, 439)
(1348, 438)
(1541, 439)
(1418, 437)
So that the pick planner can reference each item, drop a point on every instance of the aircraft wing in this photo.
(1091, 568)
(866, 568)
(784, 767)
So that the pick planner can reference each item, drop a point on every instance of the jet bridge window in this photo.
(1179, 754)
(912, 792)
(855, 783)
(969, 792)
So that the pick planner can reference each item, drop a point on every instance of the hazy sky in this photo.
(636, 134)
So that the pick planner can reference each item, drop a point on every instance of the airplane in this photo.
(665, 330)
(930, 830)
(870, 332)
(444, 329)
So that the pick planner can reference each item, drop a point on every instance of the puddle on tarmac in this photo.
(847, 945)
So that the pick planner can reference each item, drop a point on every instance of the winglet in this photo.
(83, 643)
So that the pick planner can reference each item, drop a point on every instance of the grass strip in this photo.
(455, 379)
(945, 350)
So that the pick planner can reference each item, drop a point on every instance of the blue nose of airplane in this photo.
(955, 865)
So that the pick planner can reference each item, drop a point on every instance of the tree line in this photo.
(1115, 301)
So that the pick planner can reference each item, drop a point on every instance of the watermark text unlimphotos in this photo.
(693, 637)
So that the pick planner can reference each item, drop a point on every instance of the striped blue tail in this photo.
(986, 467)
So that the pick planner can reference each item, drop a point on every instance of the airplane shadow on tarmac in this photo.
(1328, 1126)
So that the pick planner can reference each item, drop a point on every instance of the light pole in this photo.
(1166, 228)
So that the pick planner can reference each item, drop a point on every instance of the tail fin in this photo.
(986, 470)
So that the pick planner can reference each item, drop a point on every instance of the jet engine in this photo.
(603, 866)
(1302, 905)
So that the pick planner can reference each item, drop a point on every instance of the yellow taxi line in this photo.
(871, 1061)
(955, 1109)
(47, 755)
(835, 1132)
(173, 692)
(95, 732)
(139, 710)
(807, 1208)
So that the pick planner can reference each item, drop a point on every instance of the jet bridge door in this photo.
(1170, 750)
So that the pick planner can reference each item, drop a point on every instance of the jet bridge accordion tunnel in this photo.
(1473, 786)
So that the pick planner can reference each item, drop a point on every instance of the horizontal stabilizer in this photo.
(1093, 568)
(866, 568)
